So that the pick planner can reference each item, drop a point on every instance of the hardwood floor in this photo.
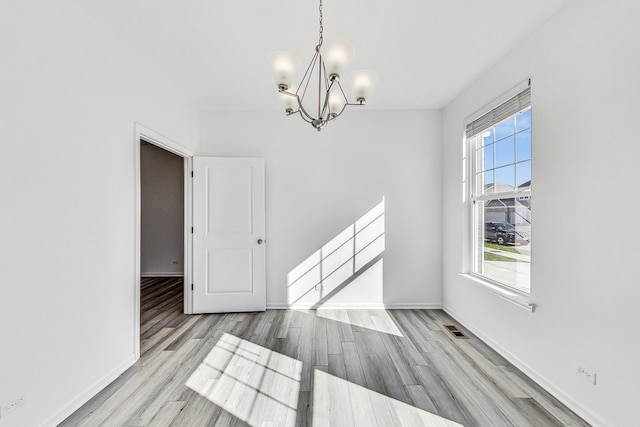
(316, 367)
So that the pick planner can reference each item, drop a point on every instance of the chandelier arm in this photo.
(326, 99)
(307, 76)
(344, 96)
(328, 84)
(320, 68)
(305, 117)
(286, 92)
(304, 113)
(294, 95)
(334, 116)
(326, 77)
(338, 114)
(337, 81)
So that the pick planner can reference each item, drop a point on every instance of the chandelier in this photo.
(326, 67)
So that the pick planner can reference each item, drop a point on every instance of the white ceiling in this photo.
(424, 51)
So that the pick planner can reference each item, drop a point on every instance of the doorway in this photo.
(161, 238)
(162, 212)
(163, 219)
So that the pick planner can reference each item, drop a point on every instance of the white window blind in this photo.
(506, 109)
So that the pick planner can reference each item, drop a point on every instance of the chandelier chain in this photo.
(321, 27)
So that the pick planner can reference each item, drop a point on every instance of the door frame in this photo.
(142, 133)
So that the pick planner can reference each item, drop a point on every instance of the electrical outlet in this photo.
(586, 374)
(12, 405)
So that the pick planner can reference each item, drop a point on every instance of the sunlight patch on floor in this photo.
(338, 402)
(255, 384)
(374, 319)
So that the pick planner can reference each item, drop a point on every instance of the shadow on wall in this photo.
(346, 271)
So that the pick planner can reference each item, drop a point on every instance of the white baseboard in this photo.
(161, 274)
(358, 306)
(543, 382)
(330, 306)
(413, 306)
(90, 392)
(277, 306)
(348, 306)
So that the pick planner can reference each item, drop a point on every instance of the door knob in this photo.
(260, 241)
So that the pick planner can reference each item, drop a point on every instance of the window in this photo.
(499, 144)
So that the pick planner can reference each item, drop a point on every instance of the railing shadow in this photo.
(339, 262)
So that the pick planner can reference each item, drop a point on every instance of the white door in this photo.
(228, 235)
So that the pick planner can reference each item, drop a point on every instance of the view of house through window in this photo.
(500, 153)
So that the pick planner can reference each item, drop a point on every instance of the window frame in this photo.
(475, 201)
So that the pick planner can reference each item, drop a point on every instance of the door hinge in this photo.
(191, 174)
(191, 230)
(192, 286)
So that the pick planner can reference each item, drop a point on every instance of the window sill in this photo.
(513, 297)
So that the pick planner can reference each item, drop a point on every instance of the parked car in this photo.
(504, 233)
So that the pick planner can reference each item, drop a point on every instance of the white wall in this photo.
(318, 183)
(585, 66)
(70, 94)
(162, 216)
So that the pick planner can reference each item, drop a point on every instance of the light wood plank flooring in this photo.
(316, 367)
